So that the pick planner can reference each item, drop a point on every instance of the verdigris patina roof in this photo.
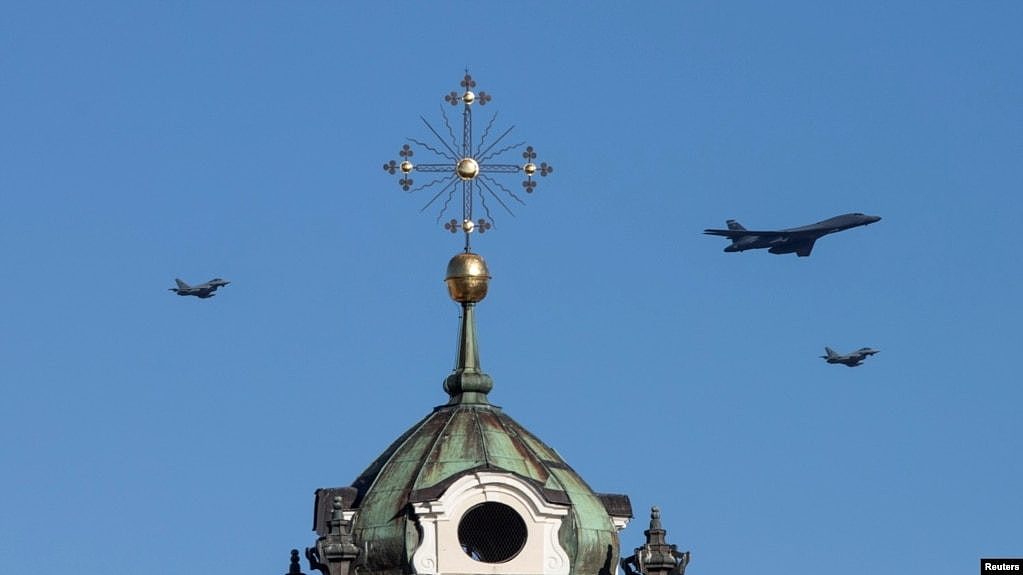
(465, 436)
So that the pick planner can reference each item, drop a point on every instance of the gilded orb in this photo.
(468, 97)
(467, 278)
(468, 226)
(529, 168)
(406, 166)
(467, 168)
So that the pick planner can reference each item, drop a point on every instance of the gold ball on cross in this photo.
(467, 168)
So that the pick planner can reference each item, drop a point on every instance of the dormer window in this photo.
(500, 523)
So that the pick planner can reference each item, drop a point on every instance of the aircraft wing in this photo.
(805, 249)
(733, 234)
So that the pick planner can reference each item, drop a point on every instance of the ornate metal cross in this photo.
(469, 163)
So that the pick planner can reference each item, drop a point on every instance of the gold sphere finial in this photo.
(468, 226)
(468, 97)
(529, 168)
(406, 167)
(467, 168)
(467, 278)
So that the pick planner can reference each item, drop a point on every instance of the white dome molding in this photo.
(440, 552)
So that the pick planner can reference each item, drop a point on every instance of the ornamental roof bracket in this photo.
(334, 552)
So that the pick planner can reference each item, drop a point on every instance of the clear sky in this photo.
(143, 141)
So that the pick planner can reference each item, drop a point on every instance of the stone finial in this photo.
(334, 552)
(655, 523)
(656, 556)
(295, 568)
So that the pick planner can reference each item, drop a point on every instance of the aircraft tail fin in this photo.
(181, 284)
(734, 225)
(829, 351)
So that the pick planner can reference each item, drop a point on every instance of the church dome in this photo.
(472, 442)
(469, 490)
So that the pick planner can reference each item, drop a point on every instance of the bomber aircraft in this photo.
(850, 359)
(791, 240)
(202, 291)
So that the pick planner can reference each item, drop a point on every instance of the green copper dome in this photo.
(456, 440)
(398, 512)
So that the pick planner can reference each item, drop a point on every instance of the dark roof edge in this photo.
(616, 504)
(324, 504)
(435, 491)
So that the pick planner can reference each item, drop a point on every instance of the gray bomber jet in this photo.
(202, 291)
(792, 240)
(850, 359)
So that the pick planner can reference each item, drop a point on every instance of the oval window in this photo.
(492, 532)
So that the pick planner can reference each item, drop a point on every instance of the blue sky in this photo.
(146, 141)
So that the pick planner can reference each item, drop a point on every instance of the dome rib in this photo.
(504, 421)
(483, 438)
(432, 452)
(367, 480)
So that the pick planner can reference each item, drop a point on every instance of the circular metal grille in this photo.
(492, 532)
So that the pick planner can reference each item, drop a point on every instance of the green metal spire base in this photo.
(468, 383)
(468, 380)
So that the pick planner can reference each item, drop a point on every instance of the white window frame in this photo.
(440, 553)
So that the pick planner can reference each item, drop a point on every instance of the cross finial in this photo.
(468, 164)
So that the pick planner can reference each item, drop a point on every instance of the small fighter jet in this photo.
(202, 291)
(791, 240)
(850, 359)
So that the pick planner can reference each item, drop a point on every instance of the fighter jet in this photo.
(792, 240)
(202, 291)
(850, 359)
